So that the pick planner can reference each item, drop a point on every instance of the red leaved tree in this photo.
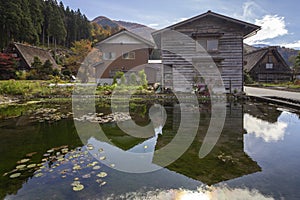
(8, 66)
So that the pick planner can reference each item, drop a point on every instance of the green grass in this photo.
(292, 85)
(32, 89)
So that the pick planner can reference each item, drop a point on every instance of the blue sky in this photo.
(279, 19)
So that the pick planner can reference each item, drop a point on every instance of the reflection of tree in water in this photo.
(17, 141)
(226, 161)
(262, 111)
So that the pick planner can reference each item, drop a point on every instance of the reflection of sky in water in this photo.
(209, 193)
(280, 175)
(262, 129)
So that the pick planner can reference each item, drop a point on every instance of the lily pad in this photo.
(112, 165)
(102, 184)
(50, 151)
(103, 158)
(90, 147)
(20, 167)
(86, 176)
(102, 174)
(65, 150)
(31, 166)
(16, 175)
(31, 154)
(23, 161)
(77, 167)
(38, 175)
(96, 167)
(75, 183)
(78, 187)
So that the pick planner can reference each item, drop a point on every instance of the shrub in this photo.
(143, 78)
(132, 79)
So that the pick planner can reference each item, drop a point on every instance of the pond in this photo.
(44, 157)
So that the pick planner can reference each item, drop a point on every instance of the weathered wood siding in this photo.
(228, 58)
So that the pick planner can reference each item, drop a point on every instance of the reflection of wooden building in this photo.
(267, 65)
(124, 51)
(26, 54)
(215, 40)
(226, 161)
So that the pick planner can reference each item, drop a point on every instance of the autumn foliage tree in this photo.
(8, 65)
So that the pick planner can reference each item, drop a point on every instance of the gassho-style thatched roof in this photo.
(27, 53)
(253, 58)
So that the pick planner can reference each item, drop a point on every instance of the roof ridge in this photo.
(257, 50)
(31, 46)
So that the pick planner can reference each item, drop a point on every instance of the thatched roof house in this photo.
(267, 65)
(26, 53)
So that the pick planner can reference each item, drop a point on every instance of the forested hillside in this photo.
(40, 22)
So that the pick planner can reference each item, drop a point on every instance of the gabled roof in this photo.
(130, 34)
(28, 53)
(255, 57)
(252, 28)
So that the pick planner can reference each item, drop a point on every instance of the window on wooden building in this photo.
(129, 56)
(208, 45)
(269, 66)
(109, 56)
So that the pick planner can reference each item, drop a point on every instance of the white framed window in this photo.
(129, 56)
(109, 56)
(208, 45)
(269, 66)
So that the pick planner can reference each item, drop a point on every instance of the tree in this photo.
(297, 65)
(37, 17)
(56, 27)
(40, 71)
(117, 76)
(80, 50)
(8, 66)
(143, 78)
(132, 79)
(123, 80)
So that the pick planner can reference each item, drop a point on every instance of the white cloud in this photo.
(272, 26)
(249, 10)
(268, 131)
(295, 45)
(180, 20)
(154, 25)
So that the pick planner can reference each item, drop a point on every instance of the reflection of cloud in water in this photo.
(211, 193)
(268, 131)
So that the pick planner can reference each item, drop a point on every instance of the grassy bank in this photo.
(32, 89)
(28, 90)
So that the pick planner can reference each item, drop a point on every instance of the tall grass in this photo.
(12, 87)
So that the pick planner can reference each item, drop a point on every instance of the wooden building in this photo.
(216, 40)
(267, 65)
(127, 52)
(26, 54)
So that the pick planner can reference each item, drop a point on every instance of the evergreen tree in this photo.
(37, 18)
(56, 27)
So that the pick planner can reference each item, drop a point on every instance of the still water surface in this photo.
(256, 157)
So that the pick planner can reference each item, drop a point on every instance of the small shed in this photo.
(26, 54)
(267, 65)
